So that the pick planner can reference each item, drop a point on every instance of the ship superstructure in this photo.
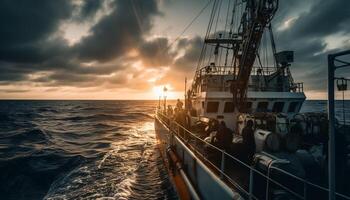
(231, 76)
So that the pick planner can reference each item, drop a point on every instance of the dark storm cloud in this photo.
(188, 61)
(25, 25)
(156, 52)
(35, 51)
(30, 43)
(90, 8)
(287, 9)
(119, 31)
(11, 72)
(11, 76)
(306, 36)
(66, 78)
(185, 65)
(27, 38)
(324, 18)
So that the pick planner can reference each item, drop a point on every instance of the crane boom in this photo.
(257, 16)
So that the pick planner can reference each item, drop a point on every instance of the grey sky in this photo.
(105, 48)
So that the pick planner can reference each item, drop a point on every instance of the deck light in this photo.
(342, 84)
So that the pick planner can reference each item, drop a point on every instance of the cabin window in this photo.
(229, 107)
(292, 107)
(212, 107)
(247, 106)
(278, 107)
(262, 106)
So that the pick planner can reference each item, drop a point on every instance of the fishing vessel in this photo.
(235, 85)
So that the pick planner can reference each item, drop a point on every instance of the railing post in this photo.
(171, 138)
(222, 168)
(305, 185)
(251, 183)
(185, 134)
(331, 116)
(268, 174)
(331, 127)
(178, 130)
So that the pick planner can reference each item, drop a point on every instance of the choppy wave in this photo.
(108, 117)
(80, 150)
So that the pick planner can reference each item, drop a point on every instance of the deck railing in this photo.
(245, 178)
(208, 71)
(229, 70)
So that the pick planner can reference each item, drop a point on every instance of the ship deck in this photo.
(242, 176)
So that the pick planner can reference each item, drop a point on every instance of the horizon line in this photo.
(38, 99)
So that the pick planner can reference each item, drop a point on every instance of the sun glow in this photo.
(158, 91)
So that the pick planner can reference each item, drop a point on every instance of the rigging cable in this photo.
(273, 45)
(203, 51)
(344, 109)
(229, 34)
(190, 24)
(224, 34)
(233, 21)
(266, 52)
(217, 9)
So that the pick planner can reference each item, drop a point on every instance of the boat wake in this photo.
(132, 169)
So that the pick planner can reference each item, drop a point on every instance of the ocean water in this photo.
(86, 150)
(341, 109)
(80, 149)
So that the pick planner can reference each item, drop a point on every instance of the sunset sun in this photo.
(157, 91)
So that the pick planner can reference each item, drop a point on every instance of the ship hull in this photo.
(205, 183)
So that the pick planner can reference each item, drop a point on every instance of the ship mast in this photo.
(256, 17)
(249, 18)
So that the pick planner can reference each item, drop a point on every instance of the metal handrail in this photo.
(222, 70)
(222, 173)
(225, 70)
(309, 183)
(234, 158)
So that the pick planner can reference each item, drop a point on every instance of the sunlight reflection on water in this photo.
(127, 171)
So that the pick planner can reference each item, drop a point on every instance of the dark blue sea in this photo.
(80, 150)
(85, 150)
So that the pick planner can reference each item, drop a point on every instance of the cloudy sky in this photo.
(118, 49)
